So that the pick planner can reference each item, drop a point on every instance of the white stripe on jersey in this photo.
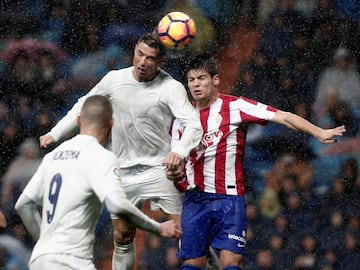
(213, 123)
(255, 109)
(230, 176)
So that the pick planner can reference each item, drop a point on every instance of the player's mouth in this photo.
(197, 93)
(142, 71)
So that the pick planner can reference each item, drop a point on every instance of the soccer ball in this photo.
(176, 30)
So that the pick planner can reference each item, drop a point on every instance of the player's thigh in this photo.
(231, 225)
(60, 261)
(196, 228)
(175, 217)
(163, 194)
(153, 185)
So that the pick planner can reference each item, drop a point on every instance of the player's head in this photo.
(96, 116)
(153, 41)
(204, 62)
(149, 54)
(203, 79)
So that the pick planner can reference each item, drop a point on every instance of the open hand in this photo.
(328, 135)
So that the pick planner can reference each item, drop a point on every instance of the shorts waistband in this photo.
(136, 169)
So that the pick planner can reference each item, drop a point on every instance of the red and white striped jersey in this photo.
(216, 165)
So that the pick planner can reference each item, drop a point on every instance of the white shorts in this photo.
(60, 261)
(150, 183)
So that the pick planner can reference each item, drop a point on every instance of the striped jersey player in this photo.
(214, 203)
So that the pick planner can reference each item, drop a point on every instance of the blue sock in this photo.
(190, 267)
(232, 268)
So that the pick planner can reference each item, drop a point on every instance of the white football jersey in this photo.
(143, 112)
(70, 184)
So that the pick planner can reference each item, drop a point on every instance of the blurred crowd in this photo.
(303, 197)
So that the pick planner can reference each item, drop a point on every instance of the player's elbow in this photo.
(19, 206)
(284, 118)
(115, 207)
(21, 209)
(23, 205)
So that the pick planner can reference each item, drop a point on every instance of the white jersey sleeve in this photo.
(26, 205)
(187, 116)
(69, 121)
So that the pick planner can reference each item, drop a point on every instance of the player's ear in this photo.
(111, 122)
(216, 79)
(78, 121)
(162, 60)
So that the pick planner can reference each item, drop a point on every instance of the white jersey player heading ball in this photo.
(145, 99)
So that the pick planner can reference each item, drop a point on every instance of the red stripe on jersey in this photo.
(251, 119)
(182, 185)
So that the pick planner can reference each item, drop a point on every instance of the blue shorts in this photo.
(212, 220)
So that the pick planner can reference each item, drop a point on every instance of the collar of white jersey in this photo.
(85, 137)
(161, 75)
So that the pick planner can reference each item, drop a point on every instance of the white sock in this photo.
(123, 256)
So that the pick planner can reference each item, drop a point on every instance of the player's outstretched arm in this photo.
(27, 210)
(296, 122)
(46, 140)
(123, 207)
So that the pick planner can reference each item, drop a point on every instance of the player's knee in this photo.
(124, 237)
(230, 259)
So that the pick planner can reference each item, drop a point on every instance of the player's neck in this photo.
(100, 135)
(206, 102)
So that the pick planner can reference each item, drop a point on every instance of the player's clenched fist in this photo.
(173, 161)
(46, 140)
(176, 173)
(170, 229)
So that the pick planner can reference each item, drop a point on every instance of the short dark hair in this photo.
(153, 41)
(204, 61)
(97, 109)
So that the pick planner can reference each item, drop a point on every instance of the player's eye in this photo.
(152, 59)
